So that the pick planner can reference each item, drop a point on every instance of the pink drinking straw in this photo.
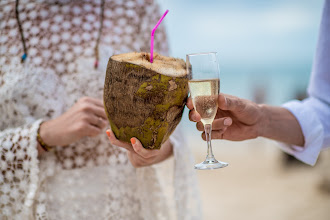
(152, 37)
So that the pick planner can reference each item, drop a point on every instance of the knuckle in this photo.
(240, 105)
(228, 102)
(222, 101)
(148, 155)
(139, 152)
(80, 127)
(84, 118)
(85, 107)
(84, 99)
(104, 124)
(144, 155)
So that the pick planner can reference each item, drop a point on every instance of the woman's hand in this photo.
(85, 118)
(236, 119)
(138, 155)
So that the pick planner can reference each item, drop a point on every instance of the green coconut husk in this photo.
(145, 100)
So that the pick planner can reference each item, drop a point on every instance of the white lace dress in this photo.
(89, 179)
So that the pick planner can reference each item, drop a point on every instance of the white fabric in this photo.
(89, 179)
(189, 199)
(313, 113)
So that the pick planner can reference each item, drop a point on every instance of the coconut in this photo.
(145, 100)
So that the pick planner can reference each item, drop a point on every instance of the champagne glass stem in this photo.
(208, 130)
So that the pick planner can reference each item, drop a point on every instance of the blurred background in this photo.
(265, 50)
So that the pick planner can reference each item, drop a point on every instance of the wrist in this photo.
(264, 121)
(40, 149)
(45, 134)
(167, 150)
(170, 149)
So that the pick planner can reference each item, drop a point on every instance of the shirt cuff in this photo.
(312, 130)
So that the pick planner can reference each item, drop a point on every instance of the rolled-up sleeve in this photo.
(314, 118)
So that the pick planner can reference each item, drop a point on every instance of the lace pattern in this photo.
(89, 179)
(19, 170)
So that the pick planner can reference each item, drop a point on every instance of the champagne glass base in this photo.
(210, 164)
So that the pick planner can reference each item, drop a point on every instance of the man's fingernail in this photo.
(108, 133)
(227, 121)
(133, 140)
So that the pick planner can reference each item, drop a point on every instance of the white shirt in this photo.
(313, 113)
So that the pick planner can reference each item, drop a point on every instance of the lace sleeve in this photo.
(150, 17)
(18, 171)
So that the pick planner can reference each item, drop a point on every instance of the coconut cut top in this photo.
(168, 66)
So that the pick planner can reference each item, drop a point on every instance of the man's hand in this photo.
(138, 155)
(240, 119)
(236, 119)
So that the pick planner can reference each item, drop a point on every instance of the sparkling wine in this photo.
(204, 94)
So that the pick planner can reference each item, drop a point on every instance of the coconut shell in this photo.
(145, 100)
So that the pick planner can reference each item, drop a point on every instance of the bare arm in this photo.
(280, 124)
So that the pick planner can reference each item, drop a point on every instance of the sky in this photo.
(268, 43)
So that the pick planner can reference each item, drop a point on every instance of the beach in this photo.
(258, 185)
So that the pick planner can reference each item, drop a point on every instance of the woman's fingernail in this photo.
(133, 140)
(227, 121)
(108, 133)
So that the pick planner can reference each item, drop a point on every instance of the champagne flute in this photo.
(204, 86)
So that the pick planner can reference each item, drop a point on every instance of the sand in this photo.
(257, 185)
